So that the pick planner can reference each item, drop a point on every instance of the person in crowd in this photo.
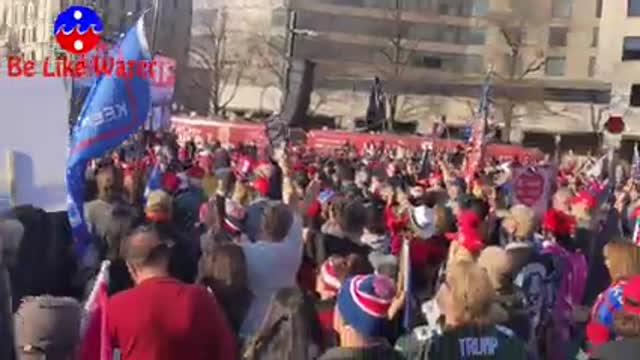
(290, 330)
(374, 236)
(161, 317)
(623, 261)
(341, 232)
(188, 198)
(333, 272)
(47, 327)
(223, 270)
(159, 210)
(209, 179)
(361, 319)
(272, 261)
(626, 325)
(532, 268)
(511, 302)
(98, 212)
(466, 299)
(256, 208)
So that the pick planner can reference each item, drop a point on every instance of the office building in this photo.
(26, 27)
(434, 54)
(619, 58)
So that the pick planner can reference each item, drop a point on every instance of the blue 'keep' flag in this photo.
(114, 109)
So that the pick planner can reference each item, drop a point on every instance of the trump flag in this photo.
(114, 109)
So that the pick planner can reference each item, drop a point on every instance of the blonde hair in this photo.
(471, 293)
(623, 259)
(498, 265)
(525, 219)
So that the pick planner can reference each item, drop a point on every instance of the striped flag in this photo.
(154, 182)
(477, 143)
(635, 169)
(94, 343)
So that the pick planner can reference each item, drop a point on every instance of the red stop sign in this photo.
(529, 188)
(614, 125)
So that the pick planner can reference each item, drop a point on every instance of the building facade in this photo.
(433, 54)
(26, 27)
(619, 59)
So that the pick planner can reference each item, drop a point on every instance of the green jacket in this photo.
(469, 343)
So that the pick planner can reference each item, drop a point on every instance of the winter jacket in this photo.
(489, 342)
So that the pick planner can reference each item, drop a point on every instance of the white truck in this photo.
(34, 134)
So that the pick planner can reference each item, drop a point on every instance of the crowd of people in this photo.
(216, 251)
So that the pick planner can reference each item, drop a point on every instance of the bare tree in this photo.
(524, 59)
(397, 55)
(224, 69)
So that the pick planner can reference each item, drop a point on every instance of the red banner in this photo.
(326, 140)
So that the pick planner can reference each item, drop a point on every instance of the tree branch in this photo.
(534, 66)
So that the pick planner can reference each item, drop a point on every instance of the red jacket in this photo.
(164, 319)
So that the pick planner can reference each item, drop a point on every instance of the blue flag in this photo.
(114, 109)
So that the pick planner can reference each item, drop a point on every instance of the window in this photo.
(23, 35)
(595, 38)
(634, 98)
(463, 8)
(633, 8)
(561, 8)
(34, 34)
(631, 48)
(598, 9)
(591, 71)
(558, 36)
(480, 8)
(555, 66)
(431, 62)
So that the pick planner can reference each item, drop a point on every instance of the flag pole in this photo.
(154, 50)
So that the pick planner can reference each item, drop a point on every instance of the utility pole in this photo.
(290, 35)
(154, 27)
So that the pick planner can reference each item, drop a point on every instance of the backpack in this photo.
(533, 279)
(569, 284)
